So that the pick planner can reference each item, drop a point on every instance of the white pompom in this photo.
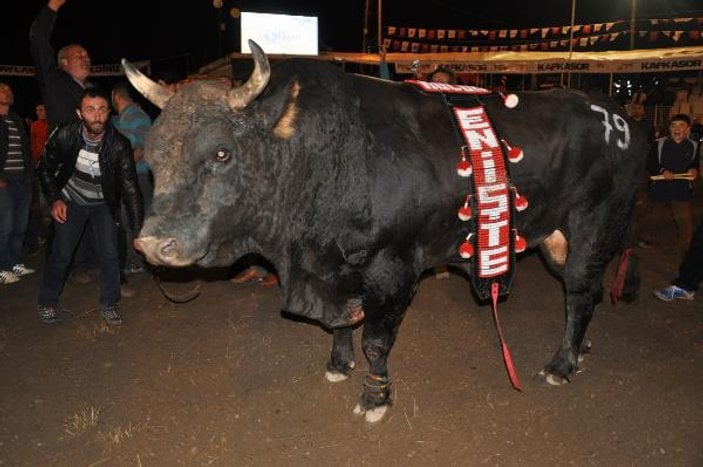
(511, 101)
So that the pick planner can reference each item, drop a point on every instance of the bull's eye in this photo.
(222, 155)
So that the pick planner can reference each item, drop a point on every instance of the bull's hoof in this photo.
(335, 376)
(372, 415)
(375, 399)
(561, 368)
(552, 379)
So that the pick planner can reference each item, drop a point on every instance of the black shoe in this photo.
(111, 314)
(48, 314)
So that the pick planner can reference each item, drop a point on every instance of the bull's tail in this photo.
(627, 279)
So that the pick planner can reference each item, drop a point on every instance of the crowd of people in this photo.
(673, 166)
(88, 166)
(83, 159)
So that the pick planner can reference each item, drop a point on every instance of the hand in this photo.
(693, 173)
(668, 175)
(3, 183)
(59, 211)
(55, 4)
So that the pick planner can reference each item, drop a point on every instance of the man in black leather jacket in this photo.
(86, 169)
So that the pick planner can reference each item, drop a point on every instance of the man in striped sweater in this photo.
(86, 171)
(15, 189)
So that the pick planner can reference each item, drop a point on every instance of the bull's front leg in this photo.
(341, 361)
(377, 340)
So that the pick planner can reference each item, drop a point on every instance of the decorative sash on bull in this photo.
(491, 200)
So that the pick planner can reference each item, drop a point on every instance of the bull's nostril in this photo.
(167, 248)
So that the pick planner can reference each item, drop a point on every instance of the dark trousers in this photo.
(691, 268)
(103, 228)
(15, 201)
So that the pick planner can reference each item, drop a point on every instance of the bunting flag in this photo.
(650, 33)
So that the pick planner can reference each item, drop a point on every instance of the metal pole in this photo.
(633, 15)
(220, 32)
(380, 8)
(365, 30)
(571, 42)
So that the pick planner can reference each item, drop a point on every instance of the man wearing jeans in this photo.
(15, 189)
(86, 171)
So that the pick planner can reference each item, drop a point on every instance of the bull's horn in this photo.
(241, 96)
(153, 91)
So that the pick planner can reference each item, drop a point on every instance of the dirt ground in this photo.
(228, 380)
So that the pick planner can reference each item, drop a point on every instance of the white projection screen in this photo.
(279, 34)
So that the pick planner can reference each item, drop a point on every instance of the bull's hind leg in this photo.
(582, 274)
(342, 359)
(579, 310)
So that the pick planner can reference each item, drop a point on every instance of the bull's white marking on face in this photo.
(557, 246)
(623, 142)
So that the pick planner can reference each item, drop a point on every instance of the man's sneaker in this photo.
(21, 270)
(8, 277)
(48, 314)
(673, 292)
(111, 314)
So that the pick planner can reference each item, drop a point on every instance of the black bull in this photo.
(348, 185)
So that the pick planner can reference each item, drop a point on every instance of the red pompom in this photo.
(464, 212)
(520, 202)
(520, 244)
(515, 154)
(464, 169)
(466, 250)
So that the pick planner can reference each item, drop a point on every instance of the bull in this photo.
(348, 185)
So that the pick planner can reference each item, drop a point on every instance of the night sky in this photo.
(153, 29)
(186, 31)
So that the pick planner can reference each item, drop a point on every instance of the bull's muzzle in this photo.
(161, 251)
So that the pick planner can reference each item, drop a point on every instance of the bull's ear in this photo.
(153, 91)
(241, 96)
(278, 111)
(286, 125)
